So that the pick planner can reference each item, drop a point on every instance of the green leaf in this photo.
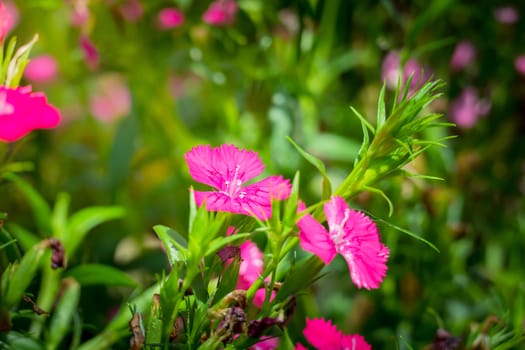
(173, 242)
(62, 317)
(228, 279)
(97, 274)
(19, 276)
(21, 341)
(221, 242)
(41, 209)
(408, 232)
(290, 209)
(59, 215)
(318, 164)
(83, 221)
(25, 238)
(299, 277)
(381, 109)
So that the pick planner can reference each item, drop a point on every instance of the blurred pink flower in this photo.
(464, 54)
(111, 99)
(80, 14)
(323, 335)
(391, 71)
(419, 74)
(268, 343)
(7, 21)
(170, 18)
(506, 14)
(41, 69)
(351, 234)
(519, 64)
(251, 265)
(22, 111)
(227, 168)
(131, 11)
(91, 54)
(251, 268)
(221, 12)
(394, 73)
(467, 108)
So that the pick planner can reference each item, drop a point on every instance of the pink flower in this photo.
(464, 54)
(111, 99)
(131, 11)
(467, 108)
(91, 54)
(269, 343)
(323, 335)
(220, 13)
(6, 21)
(22, 111)
(170, 18)
(351, 234)
(41, 69)
(251, 265)
(227, 168)
(80, 14)
(391, 70)
(394, 73)
(506, 15)
(519, 64)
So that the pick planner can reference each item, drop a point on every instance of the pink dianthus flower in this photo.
(110, 99)
(506, 15)
(323, 335)
(91, 54)
(220, 12)
(464, 54)
(170, 18)
(467, 108)
(394, 73)
(22, 111)
(519, 64)
(351, 234)
(227, 169)
(41, 69)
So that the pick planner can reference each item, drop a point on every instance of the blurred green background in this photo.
(291, 68)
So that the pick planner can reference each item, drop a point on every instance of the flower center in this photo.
(337, 230)
(5, 107)
(232, 187)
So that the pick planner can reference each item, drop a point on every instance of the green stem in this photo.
(46, 297)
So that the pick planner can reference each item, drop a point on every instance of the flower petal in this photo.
(322, 334)
(354, 342)
(356, 237)
(220, 165)
(314, 238)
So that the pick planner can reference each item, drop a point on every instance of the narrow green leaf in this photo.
(381, 109)
(290, 209)
(363, 120)
(59, 215)
(20, 276)
(299, 277)
(221, 242)
(41, 209)
(83, 221)
(385, 197)
(173, 242)
(316, 162)
(154, 323)
(61, 319)
(408, 232)
(97, 274)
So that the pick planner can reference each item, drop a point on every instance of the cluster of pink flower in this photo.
(350, 233)
(21, 111)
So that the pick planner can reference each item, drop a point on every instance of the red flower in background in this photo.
(22, 111)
